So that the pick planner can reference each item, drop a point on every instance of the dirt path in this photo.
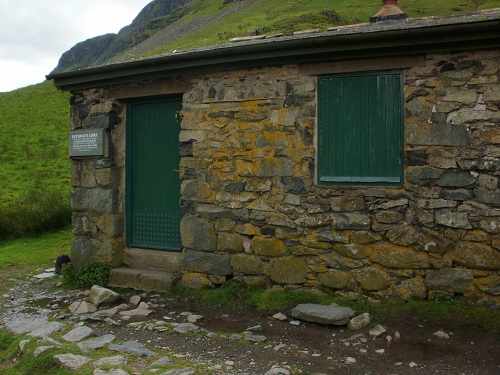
(220, 347)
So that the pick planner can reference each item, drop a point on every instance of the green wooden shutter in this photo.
(360, 129)
(153, 184)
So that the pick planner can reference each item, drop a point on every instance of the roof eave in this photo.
(325, 46)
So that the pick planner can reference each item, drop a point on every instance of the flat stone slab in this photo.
(47, 329)
(136, 312)
(45, 275)
(180, 371)
(97, 343)
(22, 323)
(186, 327)
(117, 360)
(321, 314)
(74, 362)
(78, 334)
(164, 361)
(113, 371)
(132, 347)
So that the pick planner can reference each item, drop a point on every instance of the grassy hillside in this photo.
(275, 16)
(34, 162)
(34, 124)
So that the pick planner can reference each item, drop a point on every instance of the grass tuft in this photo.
(37, 212)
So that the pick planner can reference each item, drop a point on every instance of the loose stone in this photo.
(42, 349)
(257, 328)
(182, 371)
(117, 360)
(132, 347)
(255, 338)
(280, 317)
(350, 360)
(82, 307)
(164, 361)
(113, 371)
(99, 295)
(359, 322)
(135, 300)
(377, 331)
(194, 318)
(186, 327)
(72, 361)
(136, 312)
(96, 343)
(22, 345)
(278, 371)
(441, 335)
(111, 322)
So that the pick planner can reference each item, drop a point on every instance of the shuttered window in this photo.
(360, 129)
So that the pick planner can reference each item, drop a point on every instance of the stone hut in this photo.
(365, 158)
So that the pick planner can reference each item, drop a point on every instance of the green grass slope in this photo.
(34, 125)
(34, 162)
(287, 16)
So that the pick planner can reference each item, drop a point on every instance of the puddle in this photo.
(46, 303)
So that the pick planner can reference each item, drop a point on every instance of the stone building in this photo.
(364, 158)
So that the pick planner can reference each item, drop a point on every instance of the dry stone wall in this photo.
(255, 213)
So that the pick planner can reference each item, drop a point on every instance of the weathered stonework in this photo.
(98, 221)
(256, 213)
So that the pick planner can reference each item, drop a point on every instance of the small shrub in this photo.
(93, 273)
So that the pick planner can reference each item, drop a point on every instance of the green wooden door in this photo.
(152, 178)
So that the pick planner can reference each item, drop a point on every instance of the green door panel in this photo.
(152, 178)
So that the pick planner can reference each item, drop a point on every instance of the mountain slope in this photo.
(98, 50)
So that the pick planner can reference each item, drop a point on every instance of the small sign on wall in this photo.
(89, 142)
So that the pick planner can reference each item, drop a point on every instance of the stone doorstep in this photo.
(155, 260)
(140, 279)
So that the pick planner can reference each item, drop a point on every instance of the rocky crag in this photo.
(95, 51)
